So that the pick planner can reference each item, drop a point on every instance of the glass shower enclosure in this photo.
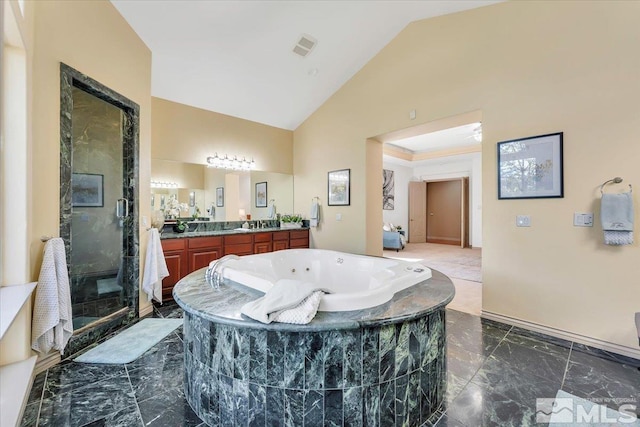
(99, 146)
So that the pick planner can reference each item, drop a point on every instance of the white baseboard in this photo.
(566, 335)
(47, 361)
(146, 311)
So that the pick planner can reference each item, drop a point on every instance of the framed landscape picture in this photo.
(219, 197)
(531, 167)
(261, 195)
(339, 187)
(87, 190)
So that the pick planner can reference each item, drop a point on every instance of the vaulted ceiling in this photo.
(236, 57)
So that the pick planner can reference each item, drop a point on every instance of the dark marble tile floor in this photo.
(495, 374)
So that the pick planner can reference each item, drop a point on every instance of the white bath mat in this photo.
(131, 343)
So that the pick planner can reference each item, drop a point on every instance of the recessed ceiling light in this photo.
(313, 72)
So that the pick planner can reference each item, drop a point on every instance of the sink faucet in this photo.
(214, 274)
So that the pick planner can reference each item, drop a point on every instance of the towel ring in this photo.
(616, 180)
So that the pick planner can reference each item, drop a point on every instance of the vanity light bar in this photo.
(158, 184)
(226, 162)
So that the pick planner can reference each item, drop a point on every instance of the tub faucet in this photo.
(213, 274)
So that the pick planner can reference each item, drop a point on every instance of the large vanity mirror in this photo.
(189, 190)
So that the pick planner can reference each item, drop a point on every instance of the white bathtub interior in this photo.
(354, 282)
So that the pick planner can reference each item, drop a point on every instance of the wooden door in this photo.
(444, 207)
(417, 212)
(465, 213)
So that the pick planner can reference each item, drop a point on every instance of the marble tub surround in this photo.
(223, 305)
(380, 366)
(480, 388)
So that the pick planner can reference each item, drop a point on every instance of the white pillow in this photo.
(385, 227)
(393, 227)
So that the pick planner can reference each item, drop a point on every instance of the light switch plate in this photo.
(583, 219)
(523, 221)
(338, 217)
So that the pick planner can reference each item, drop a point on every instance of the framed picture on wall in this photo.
(339, 187)
(387, 190)
(261, 194)
(219, 197)
(87, 190)
(531, 167)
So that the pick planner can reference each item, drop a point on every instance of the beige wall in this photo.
(189, 134)
(532, 68)
(93, 38)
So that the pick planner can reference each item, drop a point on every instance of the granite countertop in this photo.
(223, 305)
(206, 233)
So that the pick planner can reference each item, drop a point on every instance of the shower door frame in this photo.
(70, 78)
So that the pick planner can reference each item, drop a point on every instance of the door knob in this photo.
(430, 213)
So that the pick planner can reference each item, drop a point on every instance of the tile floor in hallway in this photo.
(495, 373)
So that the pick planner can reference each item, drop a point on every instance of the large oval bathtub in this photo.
(382, 366)
(353, 282)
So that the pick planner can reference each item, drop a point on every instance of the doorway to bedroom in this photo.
(447, 234)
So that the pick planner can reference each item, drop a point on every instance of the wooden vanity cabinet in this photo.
(238, 244)
(175, 257)
(185, 255)
(280, 240)
(298, 239)
(203, 250)
(262, 243)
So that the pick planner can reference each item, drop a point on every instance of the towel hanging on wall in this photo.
(52, 324)
(616, 213)
(155, 267)
(314, 215)
(271, 210)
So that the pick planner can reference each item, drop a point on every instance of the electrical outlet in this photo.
(412, 115)
(523, 221)
(583, 219)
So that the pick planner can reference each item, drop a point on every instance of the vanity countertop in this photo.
(205, 233)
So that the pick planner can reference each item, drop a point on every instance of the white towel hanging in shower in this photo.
(52, 324)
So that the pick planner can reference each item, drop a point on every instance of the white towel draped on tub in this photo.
(155, 267)
(52, 324)
(616, 214)
(289, 301)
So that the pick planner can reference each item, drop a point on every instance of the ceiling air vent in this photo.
(305, 45)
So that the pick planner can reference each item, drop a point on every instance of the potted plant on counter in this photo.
(291, 221)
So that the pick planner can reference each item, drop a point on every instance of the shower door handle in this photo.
(122, 205)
